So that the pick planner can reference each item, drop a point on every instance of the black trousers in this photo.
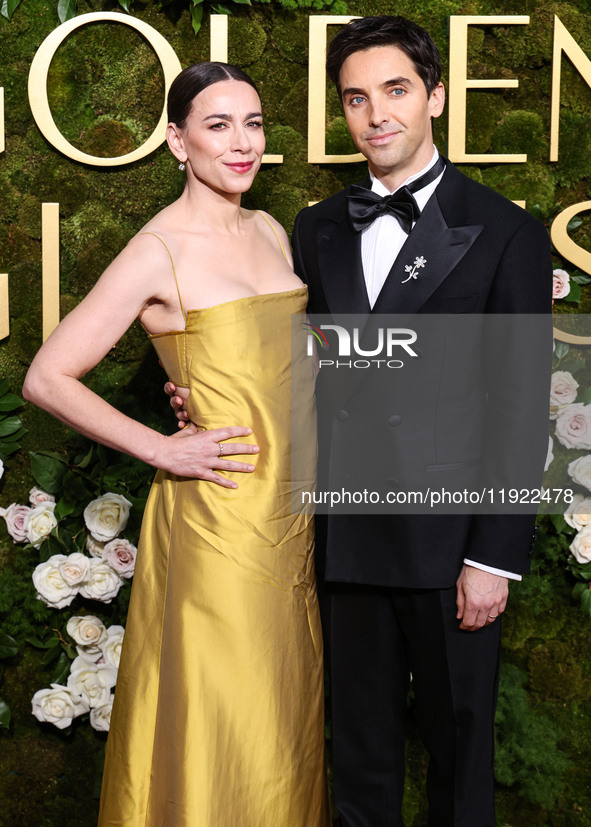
(377, 637)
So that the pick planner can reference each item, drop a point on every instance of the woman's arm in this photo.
(131, 284)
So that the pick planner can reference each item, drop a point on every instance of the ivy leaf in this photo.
(574, 223)
(9, 7)
(580, 278)
(218, 8)
(579, 588)
(39, 644)
(243, 2)
(7, 449)
(561, 350)
(536, 211)
(4, 714)
(83, 462)
(125, 4)
(586, 601)
(8, 646)
(584, 571)
(196, 17)
(4, 386)
(51, 654)
(64, 509)
(560, 524)
(9, 425)
(48, 470)
(62, 669)
(66, 10)
(574, 295)
(10, 401)
(53, 544)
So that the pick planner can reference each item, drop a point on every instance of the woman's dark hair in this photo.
(385, 30)
(195, 79)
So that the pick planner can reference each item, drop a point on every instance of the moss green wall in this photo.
(105, 89)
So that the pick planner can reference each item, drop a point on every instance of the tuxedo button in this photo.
(342, 416)
(395, 420)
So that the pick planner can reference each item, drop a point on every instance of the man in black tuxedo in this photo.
(414, 594)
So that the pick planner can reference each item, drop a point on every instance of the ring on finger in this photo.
(492, 617)
(221, 447)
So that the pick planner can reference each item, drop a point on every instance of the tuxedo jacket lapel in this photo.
(441, 246)
(436, 244)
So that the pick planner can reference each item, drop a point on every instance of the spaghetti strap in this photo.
(149, 232)
(275, 231)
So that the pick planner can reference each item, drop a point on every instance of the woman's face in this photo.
(223, 138)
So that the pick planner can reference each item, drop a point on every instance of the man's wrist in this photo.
(492, 570)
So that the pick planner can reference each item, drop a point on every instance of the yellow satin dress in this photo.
(218, 715)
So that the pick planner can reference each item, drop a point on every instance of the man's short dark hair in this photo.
(385, 30)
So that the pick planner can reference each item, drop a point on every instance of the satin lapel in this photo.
(441, 247)
(341, 270)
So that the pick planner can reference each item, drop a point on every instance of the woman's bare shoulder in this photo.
(268, 218)
(273, 227)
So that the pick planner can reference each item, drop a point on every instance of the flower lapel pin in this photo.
(413, 269)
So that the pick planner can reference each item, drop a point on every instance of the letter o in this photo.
(39, 102)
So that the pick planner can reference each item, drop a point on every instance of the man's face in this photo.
(388, 112)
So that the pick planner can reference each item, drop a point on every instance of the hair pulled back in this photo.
(193, 80)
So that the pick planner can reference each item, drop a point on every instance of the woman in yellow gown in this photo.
(218, 716)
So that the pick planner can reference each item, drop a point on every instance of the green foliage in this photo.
(521, 131)
(528, 754)
(11, 427)
(574, 159)
(9, 7)
(8, 648)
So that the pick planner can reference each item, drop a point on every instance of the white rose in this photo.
(106, 516)
(89, 633)
(578, 514)
(93, 681)
(560, 284)
(37, 496)
(50, 584)
(581, 545)
(58, 705)
(74, 569)
(103, 582)
(94, 547)
(100, 716)
(15, 521)
(563, 391)
(573, 426)
(550, 454)
(579, 470)
(120, 554)
(39, 522)
(112, 645)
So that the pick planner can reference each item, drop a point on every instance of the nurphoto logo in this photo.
(388, 341)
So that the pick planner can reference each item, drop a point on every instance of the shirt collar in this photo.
(380, 189)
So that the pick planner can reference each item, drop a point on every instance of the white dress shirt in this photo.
(383, 239)
(381, 243)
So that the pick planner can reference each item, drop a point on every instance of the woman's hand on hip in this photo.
(202, 454)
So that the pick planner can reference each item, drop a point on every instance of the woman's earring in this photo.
(182, 166)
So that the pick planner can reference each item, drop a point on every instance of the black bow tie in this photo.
(364, 206)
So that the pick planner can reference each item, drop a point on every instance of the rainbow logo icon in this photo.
(317, 333)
